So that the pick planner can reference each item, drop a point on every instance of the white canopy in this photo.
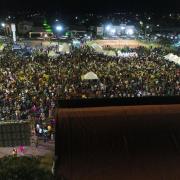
(110, 53)
(89, 76)
(52, 54)
(97, 48)
(173, 58)
(64, 48)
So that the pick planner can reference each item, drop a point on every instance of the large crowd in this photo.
(29, 86)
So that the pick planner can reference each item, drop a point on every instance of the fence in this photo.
(14, 133)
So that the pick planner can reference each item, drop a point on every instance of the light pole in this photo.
(3, 25)
(59, 29)
(13, 28)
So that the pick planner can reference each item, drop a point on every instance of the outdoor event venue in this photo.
(36, 74)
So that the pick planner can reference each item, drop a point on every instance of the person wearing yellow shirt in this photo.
(49, 128)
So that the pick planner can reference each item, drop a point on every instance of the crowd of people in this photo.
(29, 86)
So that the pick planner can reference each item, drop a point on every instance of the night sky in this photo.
(97, 6)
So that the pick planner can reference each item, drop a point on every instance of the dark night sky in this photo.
(98, 6)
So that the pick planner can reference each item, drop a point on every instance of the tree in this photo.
(23, 168)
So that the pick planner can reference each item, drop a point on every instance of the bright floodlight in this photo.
(59, 28)
(3, 24)
(122, 27)
(129, 32)
(108, 27)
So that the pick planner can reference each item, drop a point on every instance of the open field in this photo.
(121, 43)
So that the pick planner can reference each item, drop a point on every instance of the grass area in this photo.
(24, 168)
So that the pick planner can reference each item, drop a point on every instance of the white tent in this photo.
(64, 48)
(97, 48)
(110, 53)
(173, 58)
(52, 54)
(89, 76)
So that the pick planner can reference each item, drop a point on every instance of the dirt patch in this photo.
(120, 43)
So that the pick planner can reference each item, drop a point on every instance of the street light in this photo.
(3, 25)
(59, 28)
(108, 27)
(147, 27)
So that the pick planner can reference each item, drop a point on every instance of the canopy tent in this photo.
(89, 76)
(52, 54)
(97, 48)
(110, 53)
(64, 48)
(173, 58)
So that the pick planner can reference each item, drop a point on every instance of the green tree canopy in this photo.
(23, 168)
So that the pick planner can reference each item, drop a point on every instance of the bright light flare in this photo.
(59, 28)
(108, 27)
(3, 24)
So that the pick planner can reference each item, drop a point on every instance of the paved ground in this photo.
(41, 150)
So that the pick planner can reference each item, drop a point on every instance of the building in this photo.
(119, 31)
(24, 27)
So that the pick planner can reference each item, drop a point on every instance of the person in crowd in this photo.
(30, 86)
(14, 152)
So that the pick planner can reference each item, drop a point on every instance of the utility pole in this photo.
(13, 28)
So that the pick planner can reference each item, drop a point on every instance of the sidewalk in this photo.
(41, 150)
